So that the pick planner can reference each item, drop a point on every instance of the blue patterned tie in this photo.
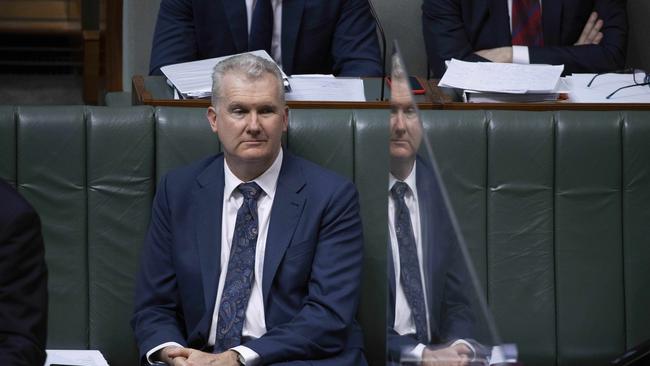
(241, 269)
(261, 32)
(410, 277)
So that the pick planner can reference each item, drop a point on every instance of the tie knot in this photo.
(399, 190)
(250, 191)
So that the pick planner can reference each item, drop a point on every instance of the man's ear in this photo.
(211, 114)
(285, 119)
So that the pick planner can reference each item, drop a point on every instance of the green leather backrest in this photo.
(554, 208)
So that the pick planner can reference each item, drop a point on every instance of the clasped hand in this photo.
(179, 356)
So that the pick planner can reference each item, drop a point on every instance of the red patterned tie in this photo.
(527, 23)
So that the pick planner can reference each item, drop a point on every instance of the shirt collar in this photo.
(268, 180)
(410, 180)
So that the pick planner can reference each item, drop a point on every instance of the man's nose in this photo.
(253, 125)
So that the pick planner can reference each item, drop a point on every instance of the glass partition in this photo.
(437, 313)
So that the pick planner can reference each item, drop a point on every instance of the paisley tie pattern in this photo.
(410, 277)
(241, 270)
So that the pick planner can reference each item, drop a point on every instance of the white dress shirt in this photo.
(276, 50)
(404, 323)
(520, 54)
(254, 321)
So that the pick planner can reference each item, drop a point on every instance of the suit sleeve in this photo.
(607, 56)
(320, 329)
(157, 318)
(174, 39)
(355, 49)
(444, 34)
(457, 315)
(23, 288)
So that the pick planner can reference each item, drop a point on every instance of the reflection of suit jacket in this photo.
(458, 28)
(333, 36)
(23, 282)
(312, 264)
(445, 275)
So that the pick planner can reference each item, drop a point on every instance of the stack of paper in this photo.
(75, 357)
(604, 85)
(504, 81)
(326, 88)
(194, 79)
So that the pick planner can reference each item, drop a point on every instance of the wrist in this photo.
(237, 358)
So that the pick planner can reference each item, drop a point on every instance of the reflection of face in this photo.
(405, 127)
(249, 118)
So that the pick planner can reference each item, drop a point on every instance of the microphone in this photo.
(383, 47)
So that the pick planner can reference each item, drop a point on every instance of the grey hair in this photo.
(249, 66)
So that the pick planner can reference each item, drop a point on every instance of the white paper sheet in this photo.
(75, 357)
(326, 89)
(501, 77)
(604, 85)
(194, 79)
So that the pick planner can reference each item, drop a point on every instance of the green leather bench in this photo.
(554, 206)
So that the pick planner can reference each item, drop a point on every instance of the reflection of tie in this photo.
(261, 27)
(527, 23)
(241, 265)
(408, 260)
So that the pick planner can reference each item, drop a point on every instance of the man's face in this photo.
(249, 119)
(405, 127)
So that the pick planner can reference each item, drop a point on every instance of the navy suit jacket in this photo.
(458, 28)
(312, 265)
(445, 275)
(318, 36)
(23, 282)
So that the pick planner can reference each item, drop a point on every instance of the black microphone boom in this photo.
(383, 46)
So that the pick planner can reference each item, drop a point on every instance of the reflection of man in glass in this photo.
(429, 316)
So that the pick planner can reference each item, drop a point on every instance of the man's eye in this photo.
(237, 111)
(266, 110)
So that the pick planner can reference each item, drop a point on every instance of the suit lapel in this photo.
(238, 21)
(552, 21)
(291, 18)
(208, 199)
(287, 207)
(426, 184)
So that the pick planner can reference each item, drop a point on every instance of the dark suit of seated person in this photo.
(23, 282)
(254, 255)
(585, 35)
(303, 36)
(430, 318)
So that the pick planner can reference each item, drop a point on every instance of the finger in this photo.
(464, 360)
(594, 31)
(180, 361)
(179, 352)
(598, 39)
(587, 28)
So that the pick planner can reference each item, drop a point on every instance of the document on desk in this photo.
(194, 79)
(325, 88)
(75, 357)
(604, 85)
(501, 77)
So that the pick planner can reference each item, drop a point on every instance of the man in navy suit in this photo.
(585, 35)
(23, 282)
(253, 256)
(304, 36)
(430, 319)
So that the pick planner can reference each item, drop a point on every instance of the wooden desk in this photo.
(153, 90)
(450, 99)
